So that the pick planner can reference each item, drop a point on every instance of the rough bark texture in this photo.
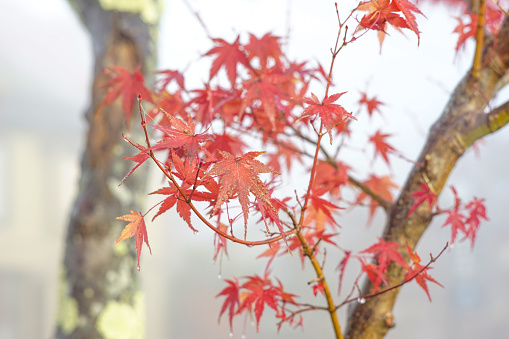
(462, 122)
(99, 283)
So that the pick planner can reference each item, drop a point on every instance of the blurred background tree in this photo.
(99, 282)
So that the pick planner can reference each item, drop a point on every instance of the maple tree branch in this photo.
(311, 177)
(373, 295)
(327, 292)
(500, 7)
(320, 133)
(479, 38)
(308, 252)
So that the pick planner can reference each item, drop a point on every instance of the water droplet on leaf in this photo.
(195, 232)
(361, 300)
(219, 276)
(138, 267)
(231, 334)
(250, 245)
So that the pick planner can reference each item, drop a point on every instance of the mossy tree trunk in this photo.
(99, 288)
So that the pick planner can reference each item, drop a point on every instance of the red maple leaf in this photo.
(407, 8)
(175, 197)
(269, 214)
(190, 175)
(265, 91)
(318, 288)
(371, 105)
(374, 273)
(382, 148)
(416, 270)
(287, 154)
(455, 218)
(270, 253)
(465, 31)
(421, 196)
(383, 12)
(382, 187)
(330, 114)
(136, 227)
(477, 210)
(168, 76)
(211, 102)
(226, 142)
(330, 178)
(220, 244)
(260, 292)
(320, 210)
(139, 158)
(171, 103)
(263, 48)
(231, 301)
(493, 19)
(181, 135)
(457, 222)
(239, 175)
(125, 84)
(384, 252)
(228, 56)
(342, 268)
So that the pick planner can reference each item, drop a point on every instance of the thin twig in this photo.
(198, 17)
(432, 260)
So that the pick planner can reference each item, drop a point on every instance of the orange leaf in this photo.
(372, 104)
(136, 227)
(381, 146)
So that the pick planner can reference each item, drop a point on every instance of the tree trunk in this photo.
(462, 122)
(99, 287)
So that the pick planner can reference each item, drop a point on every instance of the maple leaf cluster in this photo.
(204, 163)
(467, 22)
(253, 296)
(397, 13)
(224, 147)
(463, 218)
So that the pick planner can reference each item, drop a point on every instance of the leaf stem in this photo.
(432, 260)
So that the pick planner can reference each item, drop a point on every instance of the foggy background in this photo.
(45, 79)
